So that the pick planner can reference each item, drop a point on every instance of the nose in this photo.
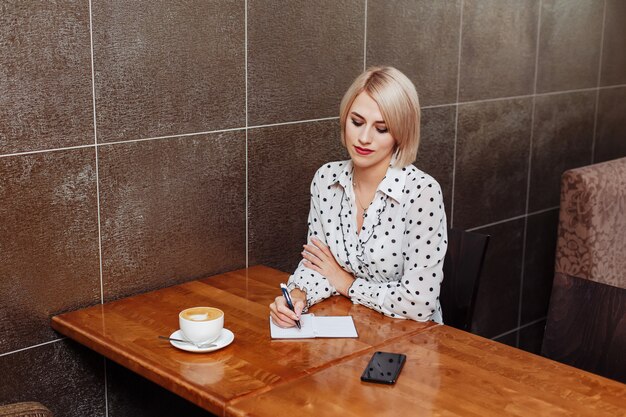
(365, 135)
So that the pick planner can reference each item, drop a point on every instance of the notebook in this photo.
(314, 326)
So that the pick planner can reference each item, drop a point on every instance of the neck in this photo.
(371, 177)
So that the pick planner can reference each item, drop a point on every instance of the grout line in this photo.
(521, 216)
(490, 100)
(294, 122)
(597, 103)
(556, 93)
(106, 388)
(233, 129)
(528, 176)
(436, 106)
(246, 153)
(543, 210)
(508, 332)
(456, 113)
(32, 347)
(365, 40)
(45, 150)
(608, 87)
(95, 140)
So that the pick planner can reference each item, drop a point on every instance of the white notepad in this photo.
(314, 326)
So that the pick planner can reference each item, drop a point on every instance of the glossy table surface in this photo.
(126, 331)
(448, 372)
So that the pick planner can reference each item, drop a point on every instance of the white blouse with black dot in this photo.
(397, 257)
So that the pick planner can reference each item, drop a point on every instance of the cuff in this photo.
(363, 291)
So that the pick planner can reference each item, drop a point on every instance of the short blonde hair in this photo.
(399, 105)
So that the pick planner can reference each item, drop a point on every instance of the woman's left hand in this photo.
(319, 258)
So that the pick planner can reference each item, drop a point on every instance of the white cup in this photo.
(201, 324)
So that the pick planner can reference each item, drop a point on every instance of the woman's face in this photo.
(368, 141)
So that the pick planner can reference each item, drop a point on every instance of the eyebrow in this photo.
(358, 115)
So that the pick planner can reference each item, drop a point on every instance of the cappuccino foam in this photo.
(202, 314)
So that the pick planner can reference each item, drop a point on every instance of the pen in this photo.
(283, 287)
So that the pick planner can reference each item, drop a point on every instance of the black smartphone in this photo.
(384, 368)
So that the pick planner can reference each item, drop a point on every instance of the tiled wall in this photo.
(146, 143)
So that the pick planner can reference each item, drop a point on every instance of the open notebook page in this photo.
(314, 326)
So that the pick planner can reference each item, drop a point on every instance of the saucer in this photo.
(225, 339)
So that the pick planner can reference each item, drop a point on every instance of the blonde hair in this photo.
(399, 105)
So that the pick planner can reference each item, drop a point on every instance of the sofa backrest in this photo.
(591, 240)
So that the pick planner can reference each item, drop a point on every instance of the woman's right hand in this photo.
(282, 315)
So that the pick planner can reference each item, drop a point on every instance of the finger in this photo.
(314, 250)
(311, 258)
(321, 245)
(312, 266)
(281, 310)
(288, 319)
(298, 306)
(279, 322)
(286, 314)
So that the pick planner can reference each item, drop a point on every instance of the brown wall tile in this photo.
(493, 143)
(168, 68)
(569, 44)
(562, 139)
(436, 151)
(498, 48)
(64, 376)
(45, 76)
(171, 210)
(497, 302)
(541, 234)
(421, 39)
(48, 242)
(610, 128)
(614, 48)
(302, 56)
(282, 162)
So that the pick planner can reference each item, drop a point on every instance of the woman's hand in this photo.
(282, 315)
(319, 258)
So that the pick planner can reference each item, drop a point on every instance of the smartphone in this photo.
(384, 368)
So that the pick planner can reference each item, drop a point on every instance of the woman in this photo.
(377, 225)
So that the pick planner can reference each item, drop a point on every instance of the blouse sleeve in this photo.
(424, 247)
(317, 287)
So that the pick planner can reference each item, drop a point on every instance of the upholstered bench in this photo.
(586, 323)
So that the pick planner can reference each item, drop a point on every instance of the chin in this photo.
(363, 162)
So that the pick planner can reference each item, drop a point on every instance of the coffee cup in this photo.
(201, 324)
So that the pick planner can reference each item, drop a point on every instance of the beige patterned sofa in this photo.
(586, 324)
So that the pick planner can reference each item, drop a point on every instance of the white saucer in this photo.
(225, 339)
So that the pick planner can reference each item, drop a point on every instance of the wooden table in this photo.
(126, 331)
(448, 372)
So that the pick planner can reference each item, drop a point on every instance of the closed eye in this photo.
(357, 123)
(382, 129)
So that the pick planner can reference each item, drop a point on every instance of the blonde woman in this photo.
(377, 225)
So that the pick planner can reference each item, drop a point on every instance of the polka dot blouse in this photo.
(396, 257)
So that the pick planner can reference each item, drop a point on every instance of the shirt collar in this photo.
(393, 182)
(345, 177)
(391, 185)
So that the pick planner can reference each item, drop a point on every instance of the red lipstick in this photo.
(363, 151)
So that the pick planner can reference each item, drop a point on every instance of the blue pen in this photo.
(283, 287)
